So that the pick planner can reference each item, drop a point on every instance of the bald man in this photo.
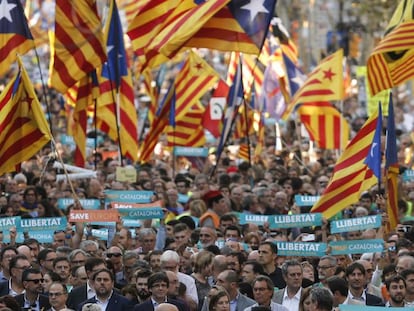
(166, 307)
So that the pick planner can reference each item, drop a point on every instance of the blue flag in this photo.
(391, 157)
(373, 159)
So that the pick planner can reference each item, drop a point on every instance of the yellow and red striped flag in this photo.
(351, 175)
(23, 127)
(15, 36)
(188, 130)
(161, 121)
(325, 125)
(195, 78)
(392, 168)
(392, 61)
(117, 105)
(324, 83)
(152, 93)
(81, 97)
(78, 46)
(244, 152)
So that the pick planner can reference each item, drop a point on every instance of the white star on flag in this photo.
(5, 9)
(255, 7)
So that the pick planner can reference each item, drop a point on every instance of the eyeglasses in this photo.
(55, 294)
(110, 255)
(36, 281)
(59, 231)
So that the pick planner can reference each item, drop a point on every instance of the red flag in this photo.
(213, 115)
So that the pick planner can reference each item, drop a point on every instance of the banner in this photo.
(302, 249)
(356, 247)
(356, 224)
(253, 219)
(368, 308)
(8, 223)
(128, 196)
(295, 221)
(41, 224)
(111, 215)
(63, 203)
(408, 175)
(306, 200)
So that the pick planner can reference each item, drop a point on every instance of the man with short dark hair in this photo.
(408, 275)
(103, 283)
(14, 286)
(142, 285)
(86, 291)
(267, 258)
(58, 295)
(32, 280)
(158, 284)
(396, 287)
(6, 254)
(61, 266)
(356, 277)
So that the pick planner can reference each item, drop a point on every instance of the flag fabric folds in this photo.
(116, 103)
(235, 99)
(392, 61)
(373, 159)
(15, 36)
(195, 78)
(351, 175)
(23, 127)
(77, 46)
(325, 124)
(214, 113)
(392, 168)
(324, 83)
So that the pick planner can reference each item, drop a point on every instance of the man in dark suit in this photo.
(106, 298)
(158, 284)
(356, 277)
(32, 283)
(81, 293)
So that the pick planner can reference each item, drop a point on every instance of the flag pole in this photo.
(247, 129)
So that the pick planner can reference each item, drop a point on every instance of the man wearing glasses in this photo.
(31, 299)
(58, 294)
(14, 286)
(326, 269)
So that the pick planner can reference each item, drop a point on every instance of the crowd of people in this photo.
(199, 256)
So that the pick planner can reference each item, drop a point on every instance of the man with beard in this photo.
(408, 275)
(106, 298)
(396, 287)
(142, 285)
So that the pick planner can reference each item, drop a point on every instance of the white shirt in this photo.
(292, 303)
(363, 297)
(90, 292)
(189, 283)
(273, 306)
(103, 304)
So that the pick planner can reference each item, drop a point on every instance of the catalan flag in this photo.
(325, 124)
(240, 26)
(23, 127)
(77, 47)
(15, 36)
(392, 168)
(195, 78)
(117, 94)
(374, 157)
(161, 121)
(188, 131)
(392, 61)
(324, 83)
(351, 175)
(235, 99)
(83, 94)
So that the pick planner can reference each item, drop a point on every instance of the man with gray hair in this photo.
(290, 296)
(326, 269)
(147, 238)
(170, 261)
(90, 247)
(321, 299)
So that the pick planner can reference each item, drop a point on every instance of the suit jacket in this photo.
(77, 296)
(116, 303)
(278, 296)
(4, 288)
(373, 301)
(43, 301)
(148, 306)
